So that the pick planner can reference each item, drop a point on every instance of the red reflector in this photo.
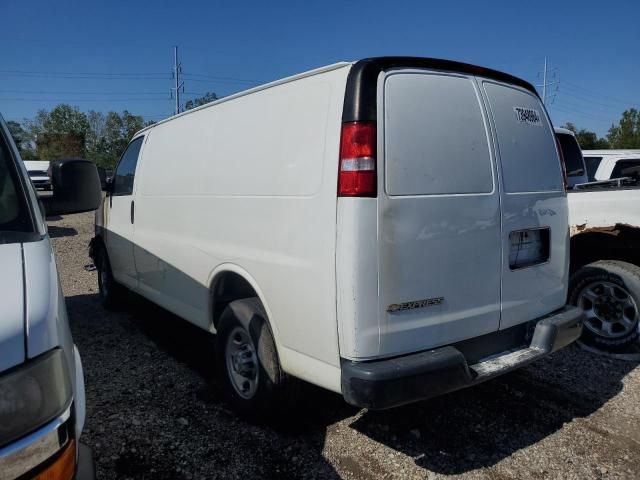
(357, 169)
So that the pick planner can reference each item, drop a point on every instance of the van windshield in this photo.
(15, 217)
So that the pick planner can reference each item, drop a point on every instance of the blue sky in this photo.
(118, 55)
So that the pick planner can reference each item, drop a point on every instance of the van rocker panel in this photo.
(400, 380)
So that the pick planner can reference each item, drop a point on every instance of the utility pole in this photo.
(177, 70)
(546, 84)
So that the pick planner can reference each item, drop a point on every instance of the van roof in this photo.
(361, 91)
(620, 152)
(259, 88)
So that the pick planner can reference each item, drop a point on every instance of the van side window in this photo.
(126, 170)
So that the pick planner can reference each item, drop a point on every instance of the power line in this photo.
(574, 111)
(577, 91)
(47, 92)
(40, 72)
(231, 79)
(69, 100)
(591, 104)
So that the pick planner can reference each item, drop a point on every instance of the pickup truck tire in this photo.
(112, 295)
(247, 362)
(609, 293)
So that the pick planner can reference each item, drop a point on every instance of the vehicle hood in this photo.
(12, 334)
(33, 318)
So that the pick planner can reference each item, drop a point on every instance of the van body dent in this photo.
(402, 223)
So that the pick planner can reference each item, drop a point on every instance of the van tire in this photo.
(112, 295)
(617, 286)
(243, 330)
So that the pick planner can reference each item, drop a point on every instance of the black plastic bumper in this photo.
(396, 381)
(86, 469)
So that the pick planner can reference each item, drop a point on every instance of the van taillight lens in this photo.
(357, 170)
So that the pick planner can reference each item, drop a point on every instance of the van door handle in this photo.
(132, 211)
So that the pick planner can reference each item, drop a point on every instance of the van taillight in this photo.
(357, 170)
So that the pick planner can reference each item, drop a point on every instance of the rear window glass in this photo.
(526, 141)
(622, 165)
(572, 155)
(592, 164)
(435, 136)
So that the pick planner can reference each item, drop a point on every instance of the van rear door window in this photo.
(435, 136)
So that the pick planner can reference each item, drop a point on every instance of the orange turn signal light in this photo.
(63, 468)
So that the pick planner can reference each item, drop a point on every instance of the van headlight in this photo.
(33, 394)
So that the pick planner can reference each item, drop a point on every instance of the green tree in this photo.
(626, 134)
(68, 132)
(587, 139)
(18, 134)
(196, 102)
(112, 134)
(60, 133)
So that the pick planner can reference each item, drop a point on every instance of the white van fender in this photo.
(223, 268)
(294, 363)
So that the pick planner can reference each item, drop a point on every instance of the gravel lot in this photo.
(154, 410)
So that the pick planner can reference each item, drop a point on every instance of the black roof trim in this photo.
(360, 96)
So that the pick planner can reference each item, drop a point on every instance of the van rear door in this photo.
(535, 234)
(439, 212)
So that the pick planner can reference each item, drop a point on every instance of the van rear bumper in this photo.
(381, 384)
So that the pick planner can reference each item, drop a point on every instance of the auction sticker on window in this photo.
(529, 116)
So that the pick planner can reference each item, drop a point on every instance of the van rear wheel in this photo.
(112, 294)
(247, 362)
(608, 291)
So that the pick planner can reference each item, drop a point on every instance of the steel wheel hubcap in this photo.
(609, 309)
(242, 363)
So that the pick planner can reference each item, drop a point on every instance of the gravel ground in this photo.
(154, 410)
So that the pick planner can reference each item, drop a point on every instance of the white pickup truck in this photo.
(604, 222)
(608, 164)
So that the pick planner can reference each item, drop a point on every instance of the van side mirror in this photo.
(76, 187)
(108, 185)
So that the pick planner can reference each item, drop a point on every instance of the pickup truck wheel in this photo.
(609, 293)
(112, 294)
(247, 361)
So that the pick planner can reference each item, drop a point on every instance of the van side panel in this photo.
(250, 182)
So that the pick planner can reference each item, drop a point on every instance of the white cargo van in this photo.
(389, 229)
